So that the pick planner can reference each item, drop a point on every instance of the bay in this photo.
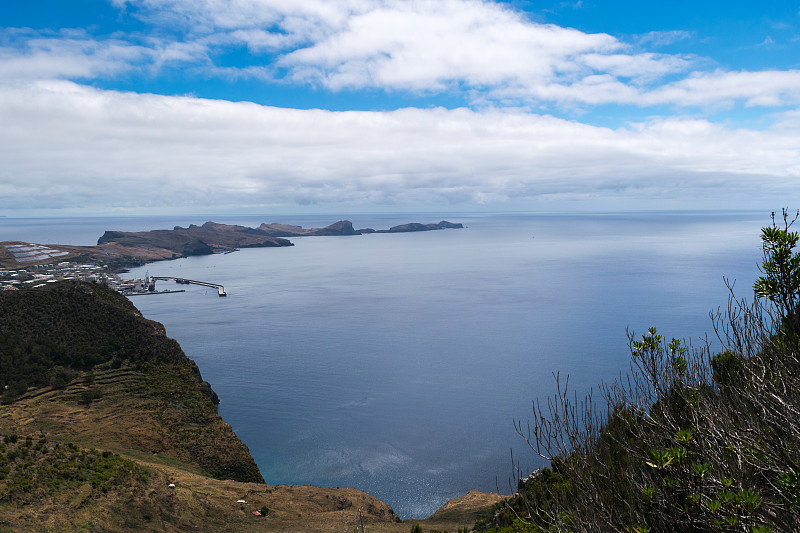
(395, 363)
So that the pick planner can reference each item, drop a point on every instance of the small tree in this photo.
(781, 266)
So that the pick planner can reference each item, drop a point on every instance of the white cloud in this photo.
(431, 46)
(664, 38)
(477, 48)
(306, 18)
(70, 54)
(27, 55)
(66, 145)
(427, 45)
(764, 88)
(421, 46)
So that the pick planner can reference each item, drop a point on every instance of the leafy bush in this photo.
(33, 472)
(89, 395)
(688, 441)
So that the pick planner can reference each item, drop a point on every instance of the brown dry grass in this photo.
(124, 423)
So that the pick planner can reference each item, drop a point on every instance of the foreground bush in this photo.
(689, 440)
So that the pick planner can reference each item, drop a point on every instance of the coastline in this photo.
(123, 261)
(120, 250)
(155, 435)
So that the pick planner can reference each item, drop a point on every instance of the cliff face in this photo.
(78, 359)
(343, 227)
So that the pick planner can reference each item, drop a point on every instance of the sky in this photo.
(314, 106)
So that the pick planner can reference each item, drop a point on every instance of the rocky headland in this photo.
(212, 237)
(119, 250)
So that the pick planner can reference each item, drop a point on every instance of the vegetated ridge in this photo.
(91, 338)
(690, 440)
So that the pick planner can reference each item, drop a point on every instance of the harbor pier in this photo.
(151, 283)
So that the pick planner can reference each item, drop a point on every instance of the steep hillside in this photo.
(78, 359)
(106, 425)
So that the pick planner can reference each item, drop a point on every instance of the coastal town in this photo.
(29, 265)
(31, 277)
(26, 265)
(33, 270)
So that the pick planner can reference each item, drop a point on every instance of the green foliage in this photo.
(51, 335)
(689, 441)
(31, 473)
(726, 366)
(90, 395)
(788, 484)
(781, 266)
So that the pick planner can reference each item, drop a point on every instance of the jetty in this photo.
(151, 283)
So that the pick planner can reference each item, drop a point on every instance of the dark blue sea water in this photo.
(395, 363)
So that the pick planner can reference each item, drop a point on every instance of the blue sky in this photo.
(134, 106)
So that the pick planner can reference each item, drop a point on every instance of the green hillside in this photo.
(117, 370)
(106, 425)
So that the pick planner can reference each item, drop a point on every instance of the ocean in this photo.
(397, 363)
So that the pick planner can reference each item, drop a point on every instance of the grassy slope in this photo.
(102, 377)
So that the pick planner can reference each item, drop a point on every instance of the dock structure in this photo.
(151, 283)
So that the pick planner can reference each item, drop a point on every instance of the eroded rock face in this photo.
(343, 227)
(449, 225)
(194, 239)
(111, 236)
(468, 507)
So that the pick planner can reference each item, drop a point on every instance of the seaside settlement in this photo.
(25, 265)
(39, 275)
(33, 271)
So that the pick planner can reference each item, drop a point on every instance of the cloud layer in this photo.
(66, 145)
(475, 47)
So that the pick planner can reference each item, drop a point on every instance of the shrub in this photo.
(687, 441)
(89, 395)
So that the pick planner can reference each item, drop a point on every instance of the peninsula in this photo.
(122, 249)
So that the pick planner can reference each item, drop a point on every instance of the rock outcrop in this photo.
(414, 226)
